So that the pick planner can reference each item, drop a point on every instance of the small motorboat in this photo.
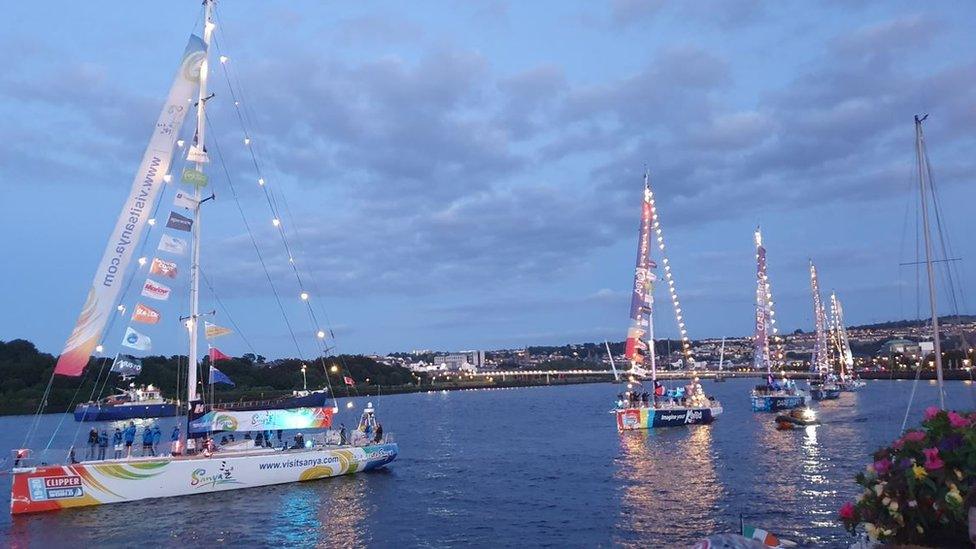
(796, 417)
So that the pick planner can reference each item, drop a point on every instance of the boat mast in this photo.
(721, 355)
(650, 284)
(922, 171)
(821, 358)
(198, 154)
(612, 365)
(842, 342)
(761, 344)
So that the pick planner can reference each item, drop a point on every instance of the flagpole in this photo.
(200, 157)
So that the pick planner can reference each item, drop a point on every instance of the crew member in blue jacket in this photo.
(174, 440)
(147, 438)
(130, 437)
(117, 443)
(156, 437)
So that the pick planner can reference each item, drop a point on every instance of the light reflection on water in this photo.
(667, 474)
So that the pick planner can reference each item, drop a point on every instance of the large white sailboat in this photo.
(662, 407)
(825, 386)
(767, 354)
(195, 465)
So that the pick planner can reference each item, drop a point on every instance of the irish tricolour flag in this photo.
(765, 537)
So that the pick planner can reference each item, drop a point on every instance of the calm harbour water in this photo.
(541, 466)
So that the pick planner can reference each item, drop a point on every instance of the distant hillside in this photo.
(25, 371)
(896, 324)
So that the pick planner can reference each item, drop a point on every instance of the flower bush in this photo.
(918, 489)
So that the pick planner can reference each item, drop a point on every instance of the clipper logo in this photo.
(199, 478)
(46, 488)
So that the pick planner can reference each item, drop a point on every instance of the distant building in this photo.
(463, 361)
(901, 346)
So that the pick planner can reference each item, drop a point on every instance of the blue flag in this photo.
(216, 376)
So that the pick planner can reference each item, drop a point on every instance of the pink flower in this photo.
(931, 412)
(897, 445)
(847, 511)
(882, 466)
(932, 459)
(957, 421)
(913, 436)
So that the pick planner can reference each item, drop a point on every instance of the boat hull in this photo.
(94, 412)
(53, 487)
(824, 394)
(776, 403)
(851, 386)
(629, 419)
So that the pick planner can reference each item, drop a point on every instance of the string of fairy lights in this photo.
(765, 294)
(668, 276)
(821, 351)
(320, 331)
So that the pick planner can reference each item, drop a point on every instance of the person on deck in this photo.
(157, 435)
(130, 437)
(174, 441)
(658, 391)
(102, 444)
(342, 434)
(379, 433)
(92, 444)
(147, 438)
(117, 443)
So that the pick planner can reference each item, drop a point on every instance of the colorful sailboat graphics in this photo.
(195, 463)
(662, 407)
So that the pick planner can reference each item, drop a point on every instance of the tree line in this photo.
(25, 373)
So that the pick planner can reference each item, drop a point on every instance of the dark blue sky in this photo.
(468, 174)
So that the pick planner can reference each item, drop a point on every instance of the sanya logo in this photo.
(199, 478)
(225, 422)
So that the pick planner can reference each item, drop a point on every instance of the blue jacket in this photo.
(147, 436)
(117, 437)
(156, 435)
(130, 433)
(176, 434)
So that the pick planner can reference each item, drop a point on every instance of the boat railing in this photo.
(255, 403)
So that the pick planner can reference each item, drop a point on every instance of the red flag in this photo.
(216, 355)
(349, 380)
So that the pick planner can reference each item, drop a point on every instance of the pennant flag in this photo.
(183, 200)
(135, 340)
(765, 537)
(163, 268)
(127, 365)
(194, 177)
(216, 376)
(216, 355)
(155, 290)
(145, 314)
(179, 222)
(212, 331)
(349, 380)
(172, 245)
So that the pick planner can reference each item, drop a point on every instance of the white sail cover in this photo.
(122, 244)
